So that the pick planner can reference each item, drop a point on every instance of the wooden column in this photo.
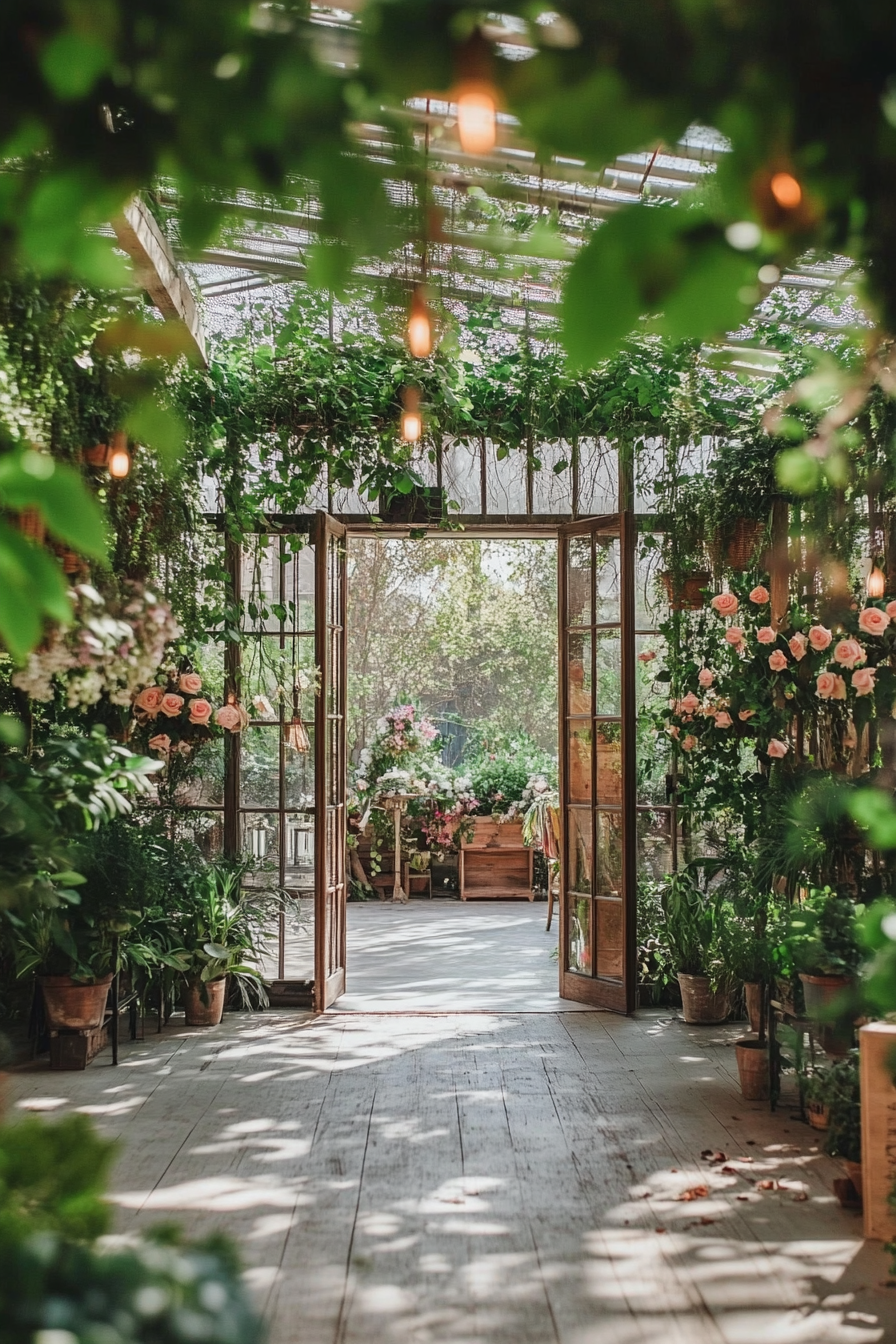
(779, 563)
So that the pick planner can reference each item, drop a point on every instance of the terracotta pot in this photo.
(752, 1065)
(201, 1014)
(97, 455)
(854, 1172)
(701, 1005)
(753, 993)
(817, 1114)
(31, 525)
(820, 991)
(686, 593)
(71, 1006)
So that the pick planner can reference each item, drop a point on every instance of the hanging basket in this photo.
(31, 524)
(745, 539)
(686, 593)
(97, 455)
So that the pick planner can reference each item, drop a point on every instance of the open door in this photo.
(329, 777)
(597, 763)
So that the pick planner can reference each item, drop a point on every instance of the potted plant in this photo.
(823, 942)
(834, 1095)
(221, 929)
(746, 954)
(692, 933)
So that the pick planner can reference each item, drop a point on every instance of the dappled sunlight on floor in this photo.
(452, 1178)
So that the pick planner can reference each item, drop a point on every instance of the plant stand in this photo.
(495, 863)
(397, 804)
(71, 1050)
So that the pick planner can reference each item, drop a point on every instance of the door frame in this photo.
(618, 996)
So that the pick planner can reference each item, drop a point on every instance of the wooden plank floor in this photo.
(453, 1178)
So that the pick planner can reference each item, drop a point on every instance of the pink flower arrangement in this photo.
(849, 653)
(705, 677)
(873, 621)
(161, 742)
(777, 749)
(690, 704)
(890, 609)
(723, 719)
(191, 717)
(745, 714)
(766, 634)
(863, 680)
(778, 661)
(734, 635)
(673, 730)
(190, 683)
(689, 743)
(726, 604)
(149, 700)
(647, 656)
(797, 645)
(228, 716)
(759, 595)
(171, 705)
(200, 711)
(820, 638)
(826, 685)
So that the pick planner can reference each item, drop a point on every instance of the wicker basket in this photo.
(31, 525)
(686, 594)
(745, 539)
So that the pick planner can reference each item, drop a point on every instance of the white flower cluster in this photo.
(107, 650)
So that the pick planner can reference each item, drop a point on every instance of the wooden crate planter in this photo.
(495, 863)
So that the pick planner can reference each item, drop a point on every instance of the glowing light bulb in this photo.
(876, 583)
(411, 426)
(786, 190)
(119, 463)
(419, 327)
(477, 120)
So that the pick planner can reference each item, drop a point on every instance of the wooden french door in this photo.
(329, 746)
(597, 763)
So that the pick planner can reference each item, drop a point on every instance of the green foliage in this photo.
(837, 1087)
(877, 933)
(500, 771)
(692, 926)
(822, 935)
(221, 928)
(56, 1277)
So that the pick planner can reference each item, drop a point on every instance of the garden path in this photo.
(485, 1177)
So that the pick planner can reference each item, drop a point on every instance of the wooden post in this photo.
(877, 1065)
(779, 563)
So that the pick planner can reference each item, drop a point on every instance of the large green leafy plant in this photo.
(822, 935)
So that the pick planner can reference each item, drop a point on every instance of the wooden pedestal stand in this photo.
(397, 804)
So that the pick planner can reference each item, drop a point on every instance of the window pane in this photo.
(654, 843)
(609, 674)
(578, 582)
(580, 935)
(260, 767)
(299, 871)
(299, 773)
(579, 858)
(579, 674)
(579, 744)
(609, 764)
(608, 581)
(608, 875)
(260, 839)
(204, 785)
(609, 939)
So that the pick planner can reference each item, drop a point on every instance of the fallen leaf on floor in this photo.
(728, 1170)
(800, 1196)
(713, 1155)
(704, 1221)
(674, 1171)
(745, 1159)
(659, 1229)
(743, 1197)
(751, 1143)
(766, 1185)
(695, 1192)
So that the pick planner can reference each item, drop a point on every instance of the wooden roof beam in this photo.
(156, 269)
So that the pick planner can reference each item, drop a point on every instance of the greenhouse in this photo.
(447, 673)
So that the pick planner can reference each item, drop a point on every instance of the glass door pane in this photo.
(330, 888)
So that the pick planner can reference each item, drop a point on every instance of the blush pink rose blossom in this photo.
(797, 646)
(759, 595)
(723, 719)
(849, 653)
(873, 621)
(149, 700)
(766, 635)
(228, 716)
(190, 683)
(705, 678)
(744, 714)
(777, 749)
(690, 704)
(171, 705)
(825, 685)
(778, 661)
(840, 689)
(689, 743)
(863, 680)
(820, 638)
(200, 711)
(673, 730)
(734, 634)
(890, 609)
(161, 742)
(725, 604)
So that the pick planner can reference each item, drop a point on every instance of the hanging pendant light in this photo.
(476, 96)
(419, 326)
(411, 416)
(119, 457)
(876, 583)
(295, 734)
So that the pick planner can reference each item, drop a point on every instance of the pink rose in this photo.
(759, 595)
(673, 730)
(689, 743)
(723, 719)
(744, 714)
(848, 653)
(171, 704)
(777, 749)
(873, 621)
(891, 610)
(839, 688)
(820, 637)
(705, 678)
(725, 604)
(825, 685)
(797, 645)
(161, 742)
(778, 661)
(228, 716)
(190, 683)
(766, 635)
(734, 634)
(690, 704)
(149, 700)
(646, 657)
(200, 711)
(863, 680)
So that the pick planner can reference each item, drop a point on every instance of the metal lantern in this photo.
(295, 735)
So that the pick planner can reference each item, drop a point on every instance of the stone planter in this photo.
(752, 1065)
(201, 1014)
(701, 1005)
(71, 1006)
(753, 993)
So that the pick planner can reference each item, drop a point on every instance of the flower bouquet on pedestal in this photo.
(176, 718)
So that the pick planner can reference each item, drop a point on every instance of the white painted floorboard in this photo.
(469, 1178)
